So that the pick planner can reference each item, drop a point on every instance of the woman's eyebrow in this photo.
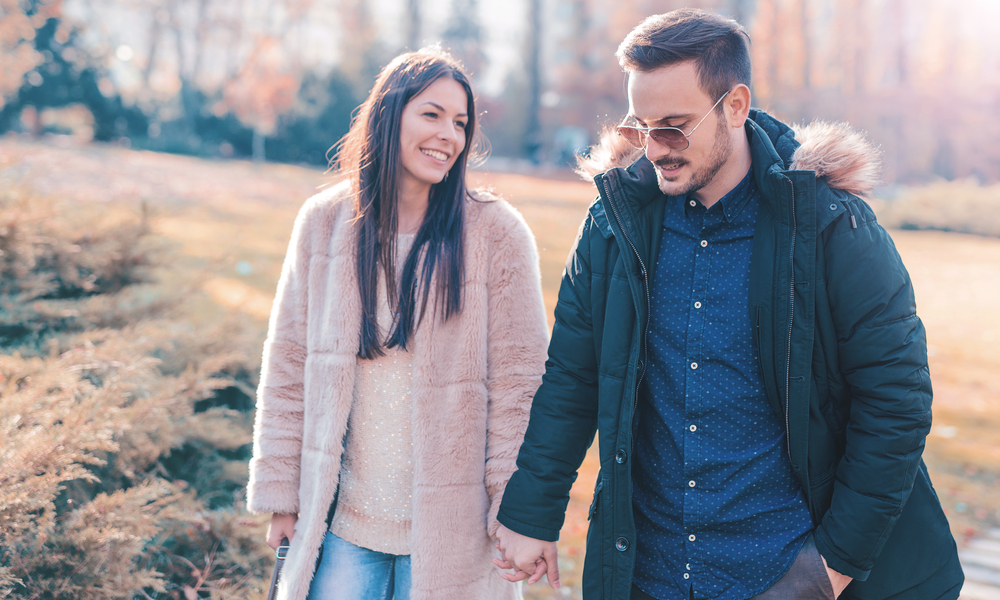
(440, 108)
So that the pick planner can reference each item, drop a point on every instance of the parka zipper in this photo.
(791, 319)
(645, 327)
(645, 278)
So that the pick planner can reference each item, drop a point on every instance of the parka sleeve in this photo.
(516, 339)
(564, 412)
(278, 426)
(883, 359)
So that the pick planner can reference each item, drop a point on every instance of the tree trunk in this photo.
(533, 134)
(258, 146)
(154, 41)
(413, 26)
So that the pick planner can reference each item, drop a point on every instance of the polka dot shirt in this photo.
(717, 508)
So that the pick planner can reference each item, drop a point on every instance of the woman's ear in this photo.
(737, 105)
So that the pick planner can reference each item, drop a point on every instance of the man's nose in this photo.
(655, 150)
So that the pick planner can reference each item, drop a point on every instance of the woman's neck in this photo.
(413, 202)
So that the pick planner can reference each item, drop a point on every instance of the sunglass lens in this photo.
(671, 138)
(632, 135)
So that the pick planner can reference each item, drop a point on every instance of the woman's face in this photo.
(432, 133)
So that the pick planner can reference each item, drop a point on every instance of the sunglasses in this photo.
(671, 137)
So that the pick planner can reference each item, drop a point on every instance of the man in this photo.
(742, 334)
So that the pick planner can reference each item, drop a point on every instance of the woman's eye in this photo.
(431, 114)
(460, 124)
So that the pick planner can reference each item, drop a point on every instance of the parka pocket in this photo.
(597, 494)
(821, 492)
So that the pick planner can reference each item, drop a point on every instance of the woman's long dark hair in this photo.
(370, 156)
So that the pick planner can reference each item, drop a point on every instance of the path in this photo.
(981, 561)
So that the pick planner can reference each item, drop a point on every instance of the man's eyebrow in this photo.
(441, 108)
(671, 118)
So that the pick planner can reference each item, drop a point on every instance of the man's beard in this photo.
(722, 149)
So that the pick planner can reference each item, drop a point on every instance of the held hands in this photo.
(530, 558)
(282, 526)
(838, 581)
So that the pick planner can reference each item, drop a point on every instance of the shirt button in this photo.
(621, 544)
(687, 576)
(704, 243)
(691, 538)
(693, 428)
(694, 365)
(697, 304)
(688, 566)
(691, 483)
(621, 457)
(692, 202)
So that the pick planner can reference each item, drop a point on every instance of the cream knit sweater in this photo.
(376, 478)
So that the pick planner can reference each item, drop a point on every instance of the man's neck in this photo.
(729, 176)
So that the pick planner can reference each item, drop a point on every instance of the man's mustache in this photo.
(670, 162)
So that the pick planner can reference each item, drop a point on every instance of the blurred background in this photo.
(153, 155)
(278, 79)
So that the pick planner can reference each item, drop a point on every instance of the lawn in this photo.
(227, 224)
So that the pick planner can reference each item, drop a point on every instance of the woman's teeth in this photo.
(435, 154)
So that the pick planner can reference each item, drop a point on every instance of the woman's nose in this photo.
(449, 132)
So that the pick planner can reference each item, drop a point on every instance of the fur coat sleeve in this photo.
(275, 466)
(516, 352)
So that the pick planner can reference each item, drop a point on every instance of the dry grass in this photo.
(959, 206)
(220, 214)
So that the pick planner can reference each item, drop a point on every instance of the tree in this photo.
(413, 24)
(263, 89)
(533, 60)
(18, 51)
(63, 73)
(464, 36)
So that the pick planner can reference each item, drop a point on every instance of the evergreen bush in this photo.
(124, 431)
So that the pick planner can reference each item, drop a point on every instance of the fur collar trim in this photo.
(838, 154)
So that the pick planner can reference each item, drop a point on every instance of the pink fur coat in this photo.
(473, 380)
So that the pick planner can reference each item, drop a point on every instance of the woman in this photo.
(406, 341)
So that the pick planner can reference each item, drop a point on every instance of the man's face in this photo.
(672, 97)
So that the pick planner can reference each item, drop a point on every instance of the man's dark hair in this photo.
(719, 47)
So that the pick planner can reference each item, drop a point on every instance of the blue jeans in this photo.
(351, 572)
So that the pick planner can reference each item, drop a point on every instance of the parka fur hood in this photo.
(840, 155)
(474, 377)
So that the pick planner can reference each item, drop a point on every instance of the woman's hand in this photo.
(282, 526)
(530, 558)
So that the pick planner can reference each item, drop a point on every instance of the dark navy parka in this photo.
(843, 357)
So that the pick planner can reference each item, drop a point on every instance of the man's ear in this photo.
(737, 105)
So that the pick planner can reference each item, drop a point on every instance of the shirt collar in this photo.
(734, 201)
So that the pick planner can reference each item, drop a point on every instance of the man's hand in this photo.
(530, 558)
(282, 526)
(838, 581)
